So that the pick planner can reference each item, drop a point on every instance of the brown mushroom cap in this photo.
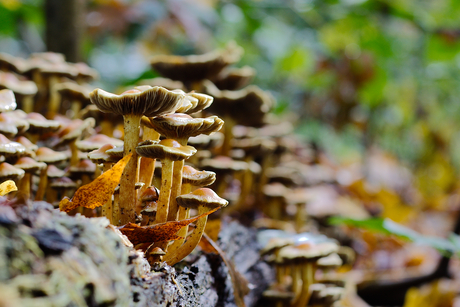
(165, 149)
(63, 183)
(7, 126)
(97, 141)
(163, 82)
(247, 107)
(149, 194)
(206, 142)
(50, 156)
(157, 251)
(54, 172)
(232, 79)
(29, 165)
(196, 67)
(179, 126)
(74, 130)
(308, 251)
(12, 63)
(9, 148)
(100, 156)
(7, 101)
(150, 101)
(40, 125)
(73, 91)
(84, 166)
(201, 197)
(223, 164)
(197, 178)
(17, 84)
(8, 171)
(26, 143)
(116, 152)
(204, 101)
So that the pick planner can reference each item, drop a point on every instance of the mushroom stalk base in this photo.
(173, 258)
(128, 180)
(184, 213)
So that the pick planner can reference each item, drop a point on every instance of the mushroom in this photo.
(167, 151)
(9, 172)
(10, 149)
(148, 201)
(63, 186)
(181, 127)
(234, 78)
(190, 177)
(133, 104)
(43, 185)
(7, 101)
(97, 141)
(39, 125)
(30, 166)
(24, 90)
(203, 199)
(76, 94)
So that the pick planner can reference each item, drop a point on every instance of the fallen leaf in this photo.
(239, 282)
(157, 233)
(7, 187)
(98, 192)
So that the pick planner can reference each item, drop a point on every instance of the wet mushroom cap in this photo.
(308, 252)
(7, 101)
(8, 171)
(85, 166)
(100, 156)
(150, 194)
(165, 149)
(152, 101)
(54, 172)
(197, 178)
(26, 143)
(39, 124)
(63, 183)
(9, 148)
(74, 130)
(17, 85)
(331, 261)
(201, 197)
(7, 126)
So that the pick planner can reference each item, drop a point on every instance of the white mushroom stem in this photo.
(192, 241)
(307, 272)
(165, 191)
(42, 185)
(184, 213)
(128, 195)
(107, 209)
(147, 168)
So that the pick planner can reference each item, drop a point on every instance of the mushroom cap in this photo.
(149, 194)
(63, 183)
(331, 261)
(9, 148)
(73, 91)
(8, 171)
(96, 141)
(74, 130)
(223, 164)
(85, 72)
(255, 146)
(308, 251)
(163, 82)
(157, 251)
(49, 57)
(29, 165)
(26, 143)
(116, 152)
(197, 178)
(187, 103)
(179, 126)
(12, 63)
(201, 197)
(99, 156)
(165, 149)
(54, 172)
(84, 166)
(38, 124)
(17, 84)
(204, 101)
(148, 101)
(50, 156)
(7, 100)
(196, 67)
(7, 126)
(59, 69)
(247, 107)
(232, 79)
(150, 208)
(206, 142)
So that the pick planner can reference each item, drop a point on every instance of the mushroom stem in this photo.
(296, 280)
(228, 135)
(147, 168)
(175, 190)
(192, 241)
(184, 213)
(74, 157)
(55, 99)
(128, 179)
(28, 103)
(307, 279)
(165, 191)
(42, 185)
(24, 185)
(115, 207)
(107, 207)
(107, 127)
(75, 107)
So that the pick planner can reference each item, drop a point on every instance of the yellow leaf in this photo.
(7, 187)
(99, 191)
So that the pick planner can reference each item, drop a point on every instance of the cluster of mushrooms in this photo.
(169, 125)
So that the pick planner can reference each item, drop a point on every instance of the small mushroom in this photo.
(30, 166)
(203, 199)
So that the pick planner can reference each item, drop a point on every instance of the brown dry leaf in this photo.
(239, 282)
(212, 230)
(157, 233)
(99, 191)
(7, 187)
